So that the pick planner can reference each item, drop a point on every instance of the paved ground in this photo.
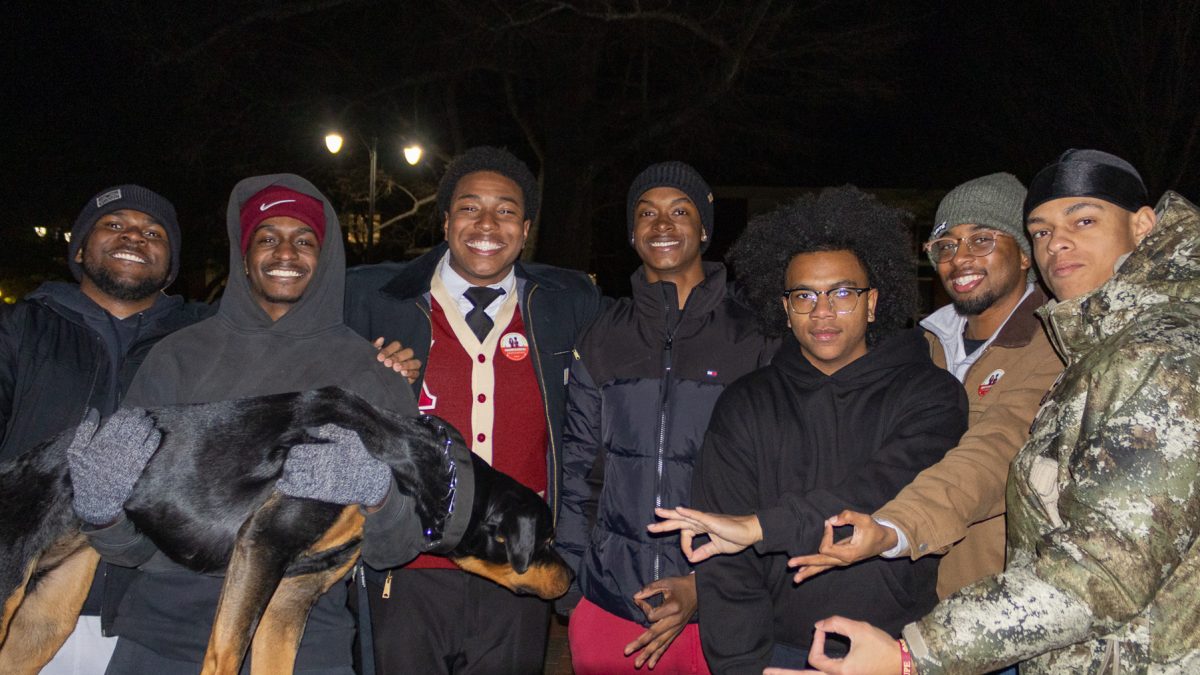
(558, 656)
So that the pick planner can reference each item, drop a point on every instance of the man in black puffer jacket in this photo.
(644, 381)
(69, 347)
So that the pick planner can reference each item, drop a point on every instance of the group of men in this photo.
(798, 413)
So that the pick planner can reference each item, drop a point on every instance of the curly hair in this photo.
(487, 158)
(836, 219)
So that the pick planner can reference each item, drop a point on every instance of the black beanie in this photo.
(682, 177)
(498, 160)
(1088, 173)
(136, 198)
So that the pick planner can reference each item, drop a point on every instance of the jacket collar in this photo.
(1023, 324)
(651, 299)
(69, 300)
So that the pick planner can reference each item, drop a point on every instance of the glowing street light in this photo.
(413, 153)
(333, 142)
(40, 231)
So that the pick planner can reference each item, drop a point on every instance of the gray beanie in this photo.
(135, 198)
(682, 177)
(993, 201)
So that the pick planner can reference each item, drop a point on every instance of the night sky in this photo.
(886, 95)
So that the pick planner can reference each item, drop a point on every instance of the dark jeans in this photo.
(449, 621)
(131, 658)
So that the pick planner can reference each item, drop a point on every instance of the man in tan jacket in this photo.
(990, 339)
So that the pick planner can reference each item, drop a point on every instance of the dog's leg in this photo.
(253, 573)
(47, 616)
(15, 599)
(282, 625)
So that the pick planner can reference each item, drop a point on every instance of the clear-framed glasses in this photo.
(842, 299)
(978, 244)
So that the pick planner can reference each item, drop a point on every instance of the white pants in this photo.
(86, 651)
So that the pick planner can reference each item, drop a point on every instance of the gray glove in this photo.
(105, 464)
(338, 470)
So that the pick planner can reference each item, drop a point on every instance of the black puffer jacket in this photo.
(795, 446)
(643, 385)
(60, 354)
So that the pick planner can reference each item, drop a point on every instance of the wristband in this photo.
(906, 660)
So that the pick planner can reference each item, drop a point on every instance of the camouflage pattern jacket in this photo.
(1104, 500)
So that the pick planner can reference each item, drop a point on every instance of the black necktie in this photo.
(477, 318)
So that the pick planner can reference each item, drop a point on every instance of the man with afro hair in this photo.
(495, 336)
(849, 412)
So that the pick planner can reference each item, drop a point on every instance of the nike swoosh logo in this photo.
(264, 207)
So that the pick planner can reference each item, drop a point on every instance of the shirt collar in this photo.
(457, 286)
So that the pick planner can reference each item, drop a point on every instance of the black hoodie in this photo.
(796, 446)
(241, 352)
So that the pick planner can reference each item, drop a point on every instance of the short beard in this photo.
(976, 306)
(122, 290)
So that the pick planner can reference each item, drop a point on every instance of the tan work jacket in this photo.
(962, 496)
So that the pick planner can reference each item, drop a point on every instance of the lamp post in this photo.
(413, 152)
(333, 143)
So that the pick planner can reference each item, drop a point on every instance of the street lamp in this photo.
(412, 153)
(333, 142)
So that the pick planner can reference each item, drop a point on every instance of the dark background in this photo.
(765, 98)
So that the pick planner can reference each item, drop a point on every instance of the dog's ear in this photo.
(520, 540)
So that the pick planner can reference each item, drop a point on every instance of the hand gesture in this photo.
(666, 621)
(726, 534)
(872, 651)
(868, 540)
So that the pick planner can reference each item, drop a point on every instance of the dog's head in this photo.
(510, 538)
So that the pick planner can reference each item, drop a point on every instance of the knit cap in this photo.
(134, 198)
(993, 201)
(276, 200)
(1088, 173)
(676, 175)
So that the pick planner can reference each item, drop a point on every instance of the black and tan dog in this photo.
(206, 499)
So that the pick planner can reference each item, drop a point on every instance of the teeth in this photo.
(663, 244)
(284, 273)
(967, 279)
(485, 245)
(123, 255)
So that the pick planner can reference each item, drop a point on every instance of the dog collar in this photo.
(448, 532)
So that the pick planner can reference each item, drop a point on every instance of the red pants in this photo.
(598, 642)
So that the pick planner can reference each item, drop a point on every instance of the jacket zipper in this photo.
(660, 451)
(552, 476)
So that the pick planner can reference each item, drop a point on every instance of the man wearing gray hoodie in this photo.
(278, 329)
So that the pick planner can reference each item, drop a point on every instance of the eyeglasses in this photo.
(842, 300)
(978, 244)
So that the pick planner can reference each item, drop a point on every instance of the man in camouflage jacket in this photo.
(1104, 499)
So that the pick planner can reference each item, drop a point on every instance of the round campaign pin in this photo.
(990, 381)
(514, 346)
